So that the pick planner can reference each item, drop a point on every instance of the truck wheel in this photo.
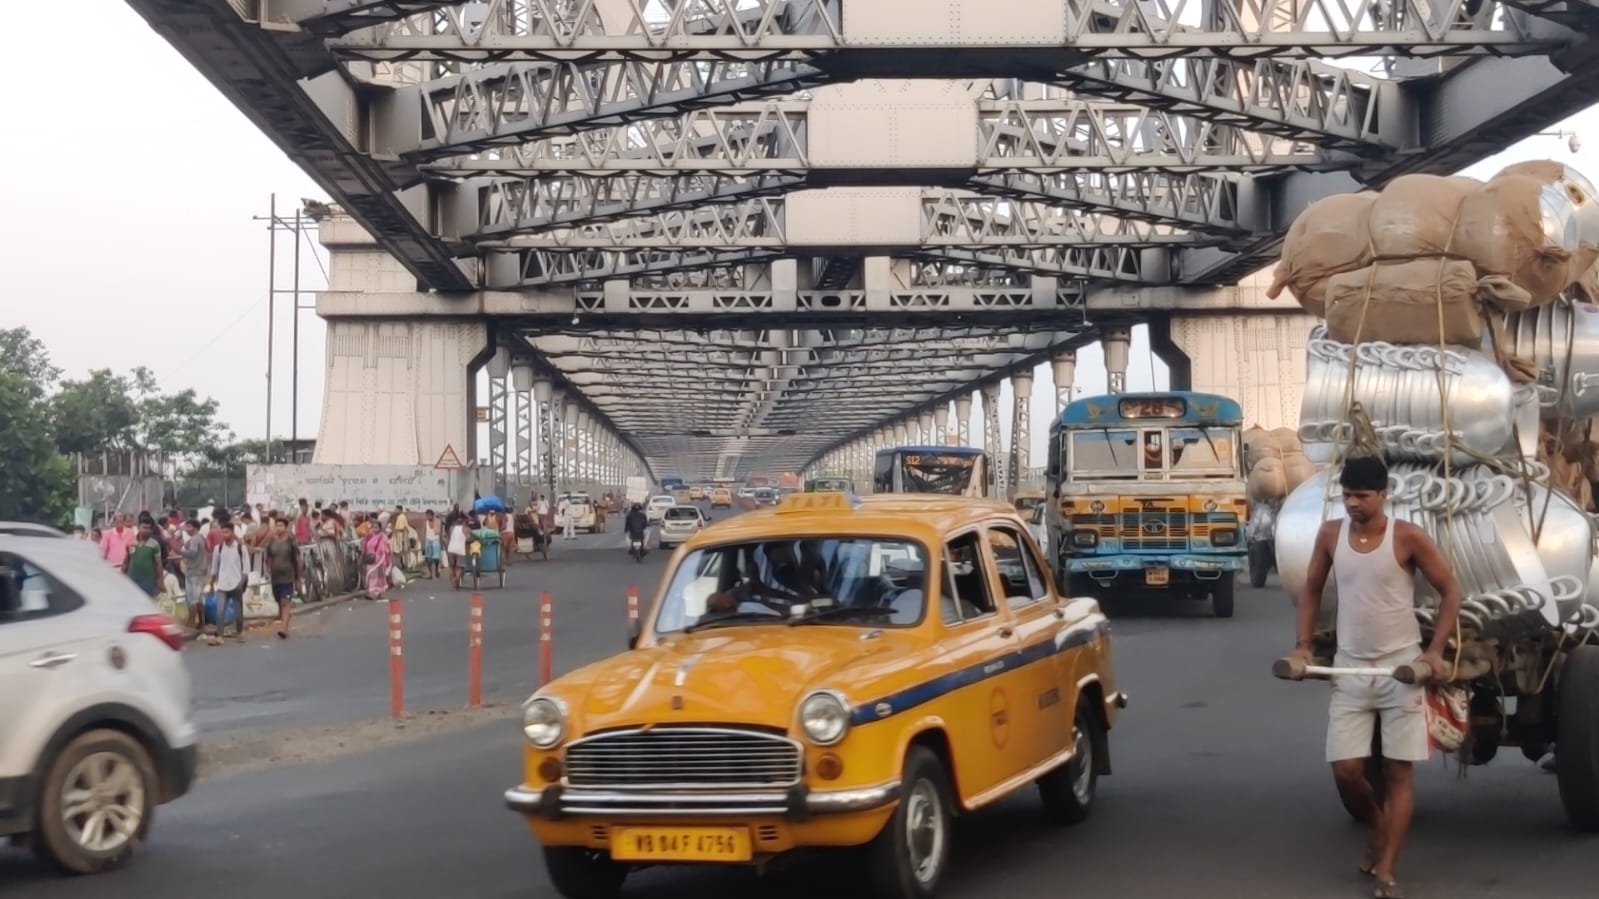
(1221, 595)
(1068, 791)
(1577, 737)
(578, 872)
(1259, 564)
(908, 858)
(96, 804)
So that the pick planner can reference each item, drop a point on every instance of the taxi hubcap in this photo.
(924, 830)
(1083, 754)
(102, 802)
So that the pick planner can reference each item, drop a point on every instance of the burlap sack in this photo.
(1286, 440)
(1501, 232)
(1329, 237)
(1267, 481)
(1403, 305)
(1297, 469)
(1258, 445)
(1415, 215)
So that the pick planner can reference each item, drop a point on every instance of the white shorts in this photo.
(1359, 704)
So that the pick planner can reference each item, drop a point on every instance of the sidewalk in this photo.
(190, 633)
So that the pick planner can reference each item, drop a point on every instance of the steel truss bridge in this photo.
(740, 234)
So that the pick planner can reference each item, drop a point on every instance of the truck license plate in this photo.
(1157, 577)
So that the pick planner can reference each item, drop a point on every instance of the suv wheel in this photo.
(97, 803)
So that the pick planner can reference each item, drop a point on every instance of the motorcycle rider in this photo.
(637, 524)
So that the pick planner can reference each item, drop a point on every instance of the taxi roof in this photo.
(926, 517)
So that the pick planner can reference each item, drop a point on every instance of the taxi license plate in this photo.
(1157, 577)
(680, 844)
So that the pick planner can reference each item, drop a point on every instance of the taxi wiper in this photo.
(731, 618)
(841, 612)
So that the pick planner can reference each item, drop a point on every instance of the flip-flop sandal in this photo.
(1388, 889)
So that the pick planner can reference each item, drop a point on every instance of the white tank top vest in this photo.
(1376, 599)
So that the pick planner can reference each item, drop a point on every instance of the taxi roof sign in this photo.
(831, 501)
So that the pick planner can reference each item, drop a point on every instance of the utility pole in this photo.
(296, 227)
(272, 307)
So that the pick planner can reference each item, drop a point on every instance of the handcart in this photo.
(530, 538)
(484, 552)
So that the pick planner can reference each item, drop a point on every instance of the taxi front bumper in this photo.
(796, 803)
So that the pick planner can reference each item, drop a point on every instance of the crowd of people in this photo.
(204, 561)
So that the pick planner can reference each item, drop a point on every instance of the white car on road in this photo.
(94, 704)
(679, 523)
(656, 510)
(581, 507)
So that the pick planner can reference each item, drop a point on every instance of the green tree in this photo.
(96, 414)
(36, 482)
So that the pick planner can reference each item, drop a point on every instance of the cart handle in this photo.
(1295, 669)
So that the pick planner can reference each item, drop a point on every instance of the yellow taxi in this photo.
(831, 672)
(721, 498)
(696, 493)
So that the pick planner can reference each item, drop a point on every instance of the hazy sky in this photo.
(127, 235)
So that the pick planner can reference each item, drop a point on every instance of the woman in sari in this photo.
(378, 559)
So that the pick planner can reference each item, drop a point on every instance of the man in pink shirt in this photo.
(117, 541)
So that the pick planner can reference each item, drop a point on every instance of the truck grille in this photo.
(683, 756)
(1154, 529)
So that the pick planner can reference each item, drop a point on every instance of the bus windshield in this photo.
(1105, 453)
(949, 473)
(1203, 451)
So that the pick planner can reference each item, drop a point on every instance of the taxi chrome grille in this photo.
(683, 757)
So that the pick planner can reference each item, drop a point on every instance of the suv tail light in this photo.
(160, 627)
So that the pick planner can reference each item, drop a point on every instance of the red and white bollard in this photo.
(396, 659)
(546, 622)
(632, 604)
(474, 654)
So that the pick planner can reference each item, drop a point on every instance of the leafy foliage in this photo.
(44, 419)
(36, 482)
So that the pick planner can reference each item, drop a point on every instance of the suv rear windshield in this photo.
(688, 513)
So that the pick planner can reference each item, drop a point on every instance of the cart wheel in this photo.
(1259, 564)
(502, 578)
(1577, 737)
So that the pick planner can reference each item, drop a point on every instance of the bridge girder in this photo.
(533, 143)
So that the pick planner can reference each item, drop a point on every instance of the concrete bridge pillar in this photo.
(400, 393)
(1116, 342)
(900, 433)
(1021, 437)
(941, 423)
(963, 419)
(1064, 368)
(926, 420)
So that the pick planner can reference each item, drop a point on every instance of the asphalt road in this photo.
(1219, 788)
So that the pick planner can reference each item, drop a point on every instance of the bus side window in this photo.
(883, 473)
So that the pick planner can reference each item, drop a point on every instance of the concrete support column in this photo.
(400, 393)
(1116, 341)
(927, 421)
(1021, 435)
(991, 434)
(900, 433)
(963, 419)
(1064, 367)
(941, 424)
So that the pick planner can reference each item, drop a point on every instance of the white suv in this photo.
(94, 697)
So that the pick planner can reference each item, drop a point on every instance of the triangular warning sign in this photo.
(448, 459)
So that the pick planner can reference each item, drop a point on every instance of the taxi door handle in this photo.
(1006, 632)
(53, 660)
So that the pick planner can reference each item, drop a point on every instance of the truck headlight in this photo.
(1085, 538)
(1224, 537)
(544, 721)
(824, 718)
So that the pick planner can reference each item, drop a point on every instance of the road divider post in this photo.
(546, 622)
(474, 654)
(396, 659)
(632, 604)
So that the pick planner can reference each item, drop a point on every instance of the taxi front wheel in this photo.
(581, 873)
(1068, 791)
(908, 857)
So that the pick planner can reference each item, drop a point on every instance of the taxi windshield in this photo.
(852, 581)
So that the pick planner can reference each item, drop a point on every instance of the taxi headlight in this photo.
(544, 721)
(824, 717)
